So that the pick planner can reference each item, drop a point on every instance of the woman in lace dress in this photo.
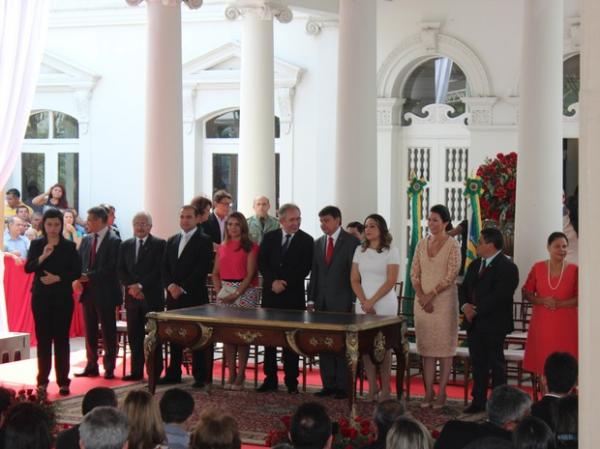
(435, 266)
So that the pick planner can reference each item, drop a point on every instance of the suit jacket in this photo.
(457, 434)
(64, 262)
(293, 268)
(103, 287)
(68, 439)
(212, 229)
(190, 270)
(146, 271)
(329, 286)
(545, 410)
(492, 292)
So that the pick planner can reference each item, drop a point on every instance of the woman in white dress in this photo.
(375, 269)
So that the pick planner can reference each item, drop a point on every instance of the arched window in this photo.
(437, 80)
(570, 83)
(227, 126)
(55, 160)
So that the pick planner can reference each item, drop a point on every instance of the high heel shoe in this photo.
(373, 397)
(237, 387)
(427, 402)
(439, 403)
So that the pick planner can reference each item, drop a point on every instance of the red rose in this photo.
(435, 433)
(343, 422)
(353, 433)
(349, 446)
(365, 431)
(500, 192)
(286, 420)
(480, 171)
(511, 184)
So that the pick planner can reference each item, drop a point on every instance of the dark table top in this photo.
(277, 318)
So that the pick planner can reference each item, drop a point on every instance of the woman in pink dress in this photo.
(236, 283)
(552, 289)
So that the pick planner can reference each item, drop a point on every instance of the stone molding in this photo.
(436, 114)
(263, 9)
(314, 25)
(481, 110)
(192, 4)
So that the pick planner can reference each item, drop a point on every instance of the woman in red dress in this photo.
(552, 289)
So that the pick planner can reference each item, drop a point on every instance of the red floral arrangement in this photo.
(499, 178)
(348, 434)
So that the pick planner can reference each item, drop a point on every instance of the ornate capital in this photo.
(388, 111)
(263, 9)
(315, 25)
(192, 4)
(481, 110)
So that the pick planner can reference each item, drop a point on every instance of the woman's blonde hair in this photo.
(408, 433)
(215, 430)
(146, 429)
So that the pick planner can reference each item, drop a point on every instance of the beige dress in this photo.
(437, 332)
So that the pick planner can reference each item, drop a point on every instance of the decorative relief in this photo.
(248, 337)
(290, 337)
(285, 99)
(436, 114)
(265, 10)
(480, 110)
(321, 341)
(315, 25)
(379, 347)
(206, 333)
(83, 100)
(151, 338)
(573, 115)
(388, 111)
(176, 331)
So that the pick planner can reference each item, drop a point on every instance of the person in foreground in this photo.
(146, 429)
(56, 264)
(384, 416)
(26, 426)
(505, 408)
(104, 428)
(374, 273)
(552, 289)
(310, 427)
(215, 430)
(486, 299)
(408, 433)
(533, 433)
(176, 406)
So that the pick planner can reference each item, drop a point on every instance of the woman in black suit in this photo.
(56, 264)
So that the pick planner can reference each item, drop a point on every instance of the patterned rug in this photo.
(258, 413)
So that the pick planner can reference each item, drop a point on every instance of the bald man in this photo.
(261, 223)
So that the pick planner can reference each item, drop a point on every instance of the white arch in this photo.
(414, 50)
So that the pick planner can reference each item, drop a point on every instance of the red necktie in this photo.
(93, 252)
(329, 252)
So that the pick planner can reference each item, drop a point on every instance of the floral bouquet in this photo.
(499, 176)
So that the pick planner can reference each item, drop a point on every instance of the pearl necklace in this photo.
(562, 270)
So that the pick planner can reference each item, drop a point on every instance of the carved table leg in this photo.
(150, 345)
(352, 359)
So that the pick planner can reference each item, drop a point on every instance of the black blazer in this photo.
(212, 229)
(103, 287)
(147, 271)
(292, 268)
(190, 270)
(457, 434)
(545, 410)
(492, 292)
(64, 262)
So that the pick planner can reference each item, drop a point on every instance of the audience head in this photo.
(13, 198)
(203, 205)
(142, 224)
(236, 228)
(36, 221)
(15, 225)
(27, 426)
(355, 228)
(560, 373)
(98, 397)
(490, 242)
(69, 217)
(331, 219)
(58, 192)
(507, 406)
(176, 405)
(110, 213)
(439, 219)
(290, 218)
(261, 206)
(376, 233)
(566, 416)
(23, 213)
(408, 433)
(31, 234)
(6, 399)
(97, 219)
(310, 427)
(104, 428)
(52, 223)
(222, 201)
(533, 433)
(146, 428)
(188, 218)
(385, 414)
(215, 430)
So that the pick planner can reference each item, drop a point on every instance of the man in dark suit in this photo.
(506, 407)
(486, 299)
(214, 227)
(186, 264)
(139, 269)
(329, 290)
(101, 293)
(284, 260)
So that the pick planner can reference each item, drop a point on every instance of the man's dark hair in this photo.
(310, 427)
(191, 207)
(27, 426)
(21, 207)
(108, 207)
(356, 224)
(14, 192)
(6, 398)
(219, 195)
(533, 433)
(99, 212)
(384, 416)
(176, 405)
(560, 370)
(493, 236)
(333, 211)
(98, 397)
(201, 203)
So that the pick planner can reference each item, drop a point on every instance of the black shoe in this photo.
(64, 390)
(325, 392)
(167, 380)
(198, 384)
(266, 387)
(341, 394)
(108, 375)
(88, 373)
(132, 377)
(293, 390)
(474, 408)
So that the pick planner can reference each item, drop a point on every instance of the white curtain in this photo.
(443, 69)
(23, 26)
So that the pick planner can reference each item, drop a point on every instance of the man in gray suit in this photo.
(329, 290)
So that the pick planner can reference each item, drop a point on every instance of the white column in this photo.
(163, 162)
(356, 149)
(256, 158)
(589, 217)
(539, 169)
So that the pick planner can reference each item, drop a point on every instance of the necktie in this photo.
(93, 251)
(139, 250)
(329, 251)
(483, 267)
(286, 244)
(262, 223)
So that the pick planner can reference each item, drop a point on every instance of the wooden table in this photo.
(306, 333)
